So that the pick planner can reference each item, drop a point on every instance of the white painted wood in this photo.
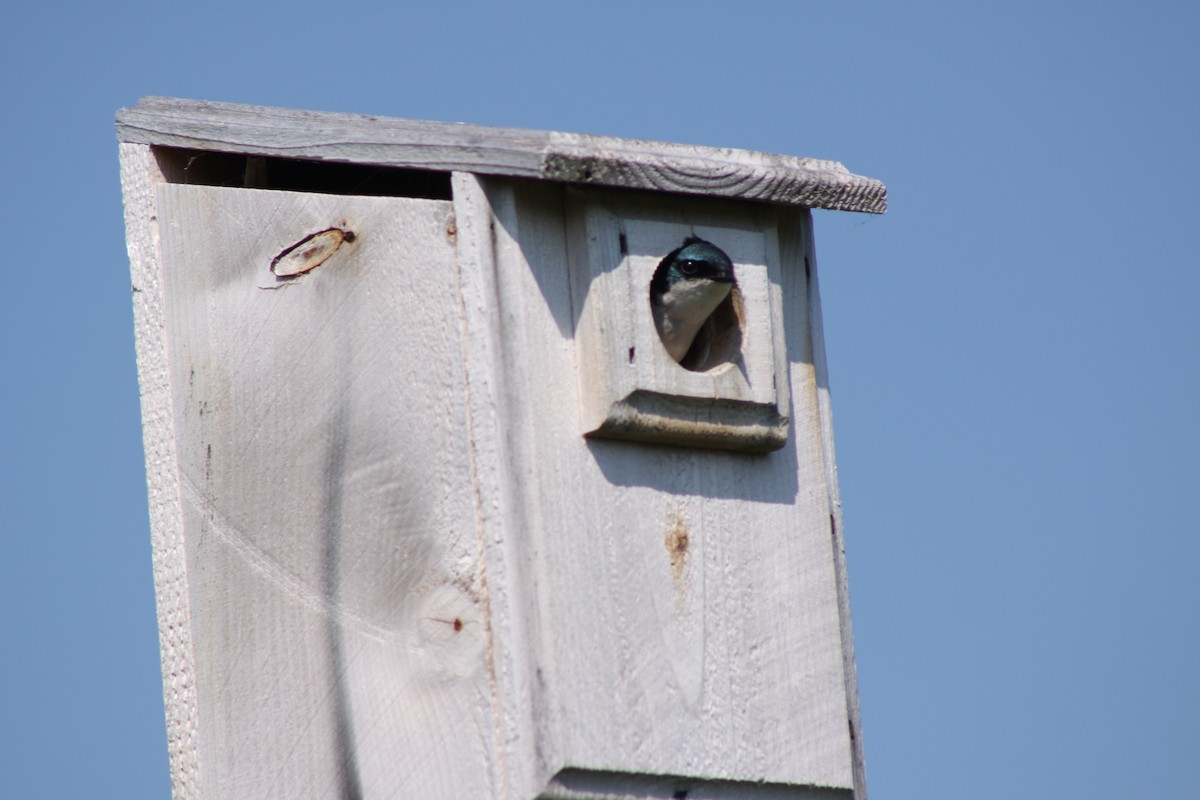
(546, 155)
(633, 389)
(388, 561)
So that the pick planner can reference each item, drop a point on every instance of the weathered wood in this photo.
(680, 606)
(389, 562)
(632, 388)
(336, 576)
(792, 285)
(546, 155)
(140, 179)
(575, 784)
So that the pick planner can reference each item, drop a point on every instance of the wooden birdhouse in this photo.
(436, 513)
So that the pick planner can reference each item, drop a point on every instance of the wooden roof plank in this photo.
(545, 155)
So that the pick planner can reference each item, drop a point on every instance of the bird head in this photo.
(688, 285)
(695, 259)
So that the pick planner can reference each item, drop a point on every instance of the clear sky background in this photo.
(1013, 348)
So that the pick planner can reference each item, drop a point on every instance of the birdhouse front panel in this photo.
(679, 604)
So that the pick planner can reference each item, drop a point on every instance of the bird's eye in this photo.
(688, 267)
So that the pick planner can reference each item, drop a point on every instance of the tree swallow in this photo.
(687, 287)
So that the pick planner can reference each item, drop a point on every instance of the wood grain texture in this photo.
(338, 602)
(837, 532)
(140, 179)
(521, 718)
(573, 784)
(388, 564)
(546, 155)
(633, 389)
(684, 605)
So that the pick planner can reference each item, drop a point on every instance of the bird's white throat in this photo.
(684, 309)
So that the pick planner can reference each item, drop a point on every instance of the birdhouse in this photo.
(487, 463)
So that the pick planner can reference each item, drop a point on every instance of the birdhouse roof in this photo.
(543, 155)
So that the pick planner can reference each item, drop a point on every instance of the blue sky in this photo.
(1014, 348)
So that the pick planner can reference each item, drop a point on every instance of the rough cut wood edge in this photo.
(507, 607)
(825, 409)
(546, 155)
(139, 177)
(646, 416)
